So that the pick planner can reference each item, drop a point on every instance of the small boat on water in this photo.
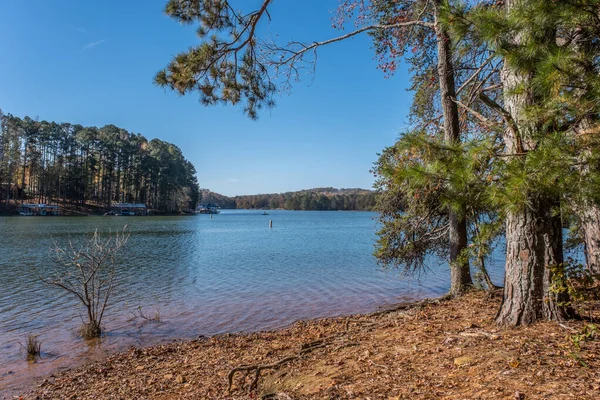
(128, 209)
(207, 209)
(265, 213)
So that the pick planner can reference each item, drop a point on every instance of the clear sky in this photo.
(93, 63)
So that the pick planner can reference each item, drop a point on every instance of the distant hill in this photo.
(328, 198)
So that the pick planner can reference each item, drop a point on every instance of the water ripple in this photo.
(205, 276)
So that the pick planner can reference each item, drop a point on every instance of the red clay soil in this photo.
(437, 350)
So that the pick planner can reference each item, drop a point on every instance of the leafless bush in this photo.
(32, 346)
(88, 271)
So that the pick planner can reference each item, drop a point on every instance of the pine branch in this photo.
(305, 48)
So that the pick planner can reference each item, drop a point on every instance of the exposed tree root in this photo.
(257, 368)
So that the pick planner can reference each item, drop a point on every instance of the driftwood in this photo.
(258, 368)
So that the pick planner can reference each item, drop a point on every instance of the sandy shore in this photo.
(441, 349)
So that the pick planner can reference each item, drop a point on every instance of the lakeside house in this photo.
(38, 209)
(129, 209)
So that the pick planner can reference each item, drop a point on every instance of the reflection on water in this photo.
(205, 276)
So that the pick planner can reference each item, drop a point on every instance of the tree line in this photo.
(503, 135)
(321, 199)
(89, 167)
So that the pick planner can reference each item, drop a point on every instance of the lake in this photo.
(204, 275)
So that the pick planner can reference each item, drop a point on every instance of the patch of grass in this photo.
(90, 330)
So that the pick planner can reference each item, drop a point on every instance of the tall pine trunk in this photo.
(533, 253)
(460, 274)
(589, 216)
(533, 231)
(587, 212)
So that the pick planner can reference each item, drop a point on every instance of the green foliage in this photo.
(419, 179)
(557, 47)
(554, 47)
(574, 280)
(226, 67)
(485, 228)
(587, 333)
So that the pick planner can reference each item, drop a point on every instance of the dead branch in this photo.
(314, 45)
(508, 119)
(474, 75)
(487, 122)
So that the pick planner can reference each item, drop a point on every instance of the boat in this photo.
(265, 213)
(128, 209)
(207, 209)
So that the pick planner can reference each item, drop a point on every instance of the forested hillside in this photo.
(310, 199)
(69, 164)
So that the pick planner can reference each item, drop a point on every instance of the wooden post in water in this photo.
(270, 223)
(210, 216)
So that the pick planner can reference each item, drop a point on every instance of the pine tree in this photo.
(539, 175)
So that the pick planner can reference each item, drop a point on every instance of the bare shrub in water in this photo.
(32, 346)
(88, 271)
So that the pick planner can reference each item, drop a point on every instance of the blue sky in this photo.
(93, 63)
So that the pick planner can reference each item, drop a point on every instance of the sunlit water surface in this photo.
(205, 276)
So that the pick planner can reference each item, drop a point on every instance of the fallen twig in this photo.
(567, 327)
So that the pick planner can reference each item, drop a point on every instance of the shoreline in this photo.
(426, 349)
(56, 364)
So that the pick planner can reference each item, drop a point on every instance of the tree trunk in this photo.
(533, 253)
(589, 216)
(533, 234)
(587, 212)
(460, 274)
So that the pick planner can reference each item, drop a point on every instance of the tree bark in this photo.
(587, 212)
(533, 234)
(460, 274)
(589, 216)
(534, 253)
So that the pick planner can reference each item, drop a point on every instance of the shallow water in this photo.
(205, 276)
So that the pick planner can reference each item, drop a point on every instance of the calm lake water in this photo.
(205, 276)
